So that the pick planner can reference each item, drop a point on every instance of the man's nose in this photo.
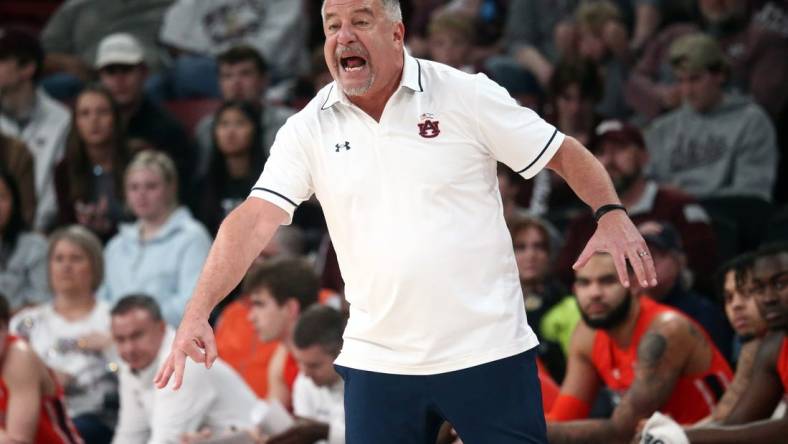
(346, 35)
(595, 290)
(123, 348)
(769, 297)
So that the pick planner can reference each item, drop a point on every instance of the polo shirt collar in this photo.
(411, 74)
(411, 78)
(334, 96)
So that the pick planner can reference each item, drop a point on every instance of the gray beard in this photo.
(359, 90)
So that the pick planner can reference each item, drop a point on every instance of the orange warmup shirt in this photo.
(54, 425)
(693, 396)
(239, 346)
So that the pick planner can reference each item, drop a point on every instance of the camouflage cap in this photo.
(595, 15)
(697, 52)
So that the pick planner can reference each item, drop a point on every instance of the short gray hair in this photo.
(391, 7)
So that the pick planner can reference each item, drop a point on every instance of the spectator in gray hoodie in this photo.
(716, 144)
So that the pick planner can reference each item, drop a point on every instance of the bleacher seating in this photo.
(190, 111)
(32, 14)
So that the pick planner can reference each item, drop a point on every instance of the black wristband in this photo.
(604, 209)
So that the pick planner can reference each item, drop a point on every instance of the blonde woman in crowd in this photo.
(160, 254)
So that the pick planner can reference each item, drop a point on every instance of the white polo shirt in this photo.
(413, 208)
(325, 404)
(217, 399)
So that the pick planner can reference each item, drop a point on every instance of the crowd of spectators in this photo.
(129, 130)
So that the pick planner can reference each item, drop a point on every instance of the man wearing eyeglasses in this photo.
(749, 420)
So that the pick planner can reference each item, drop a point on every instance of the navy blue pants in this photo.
(499, 402)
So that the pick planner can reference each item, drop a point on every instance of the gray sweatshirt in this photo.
(728, 151)
(23, 275)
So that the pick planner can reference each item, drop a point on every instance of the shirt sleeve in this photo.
(286, 180)
(23, 323)
(513, 134)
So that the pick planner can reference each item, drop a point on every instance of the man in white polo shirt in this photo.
(402, 155)
(217, 400)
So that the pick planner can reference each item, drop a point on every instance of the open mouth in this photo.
(352, 63)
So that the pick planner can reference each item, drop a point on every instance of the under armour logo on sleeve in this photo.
(339, 146)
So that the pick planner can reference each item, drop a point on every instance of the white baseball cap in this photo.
(119, 49)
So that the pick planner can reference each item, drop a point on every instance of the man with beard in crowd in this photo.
(651, 356)
(620, 148)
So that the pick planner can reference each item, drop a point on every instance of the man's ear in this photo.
(293, 307)
(399, 33)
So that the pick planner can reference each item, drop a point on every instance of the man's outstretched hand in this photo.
(618, 236)
(194, 339)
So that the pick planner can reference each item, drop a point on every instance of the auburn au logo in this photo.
(428, 127)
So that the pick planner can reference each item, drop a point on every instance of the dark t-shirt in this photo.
(218, 198)
(234, 192)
